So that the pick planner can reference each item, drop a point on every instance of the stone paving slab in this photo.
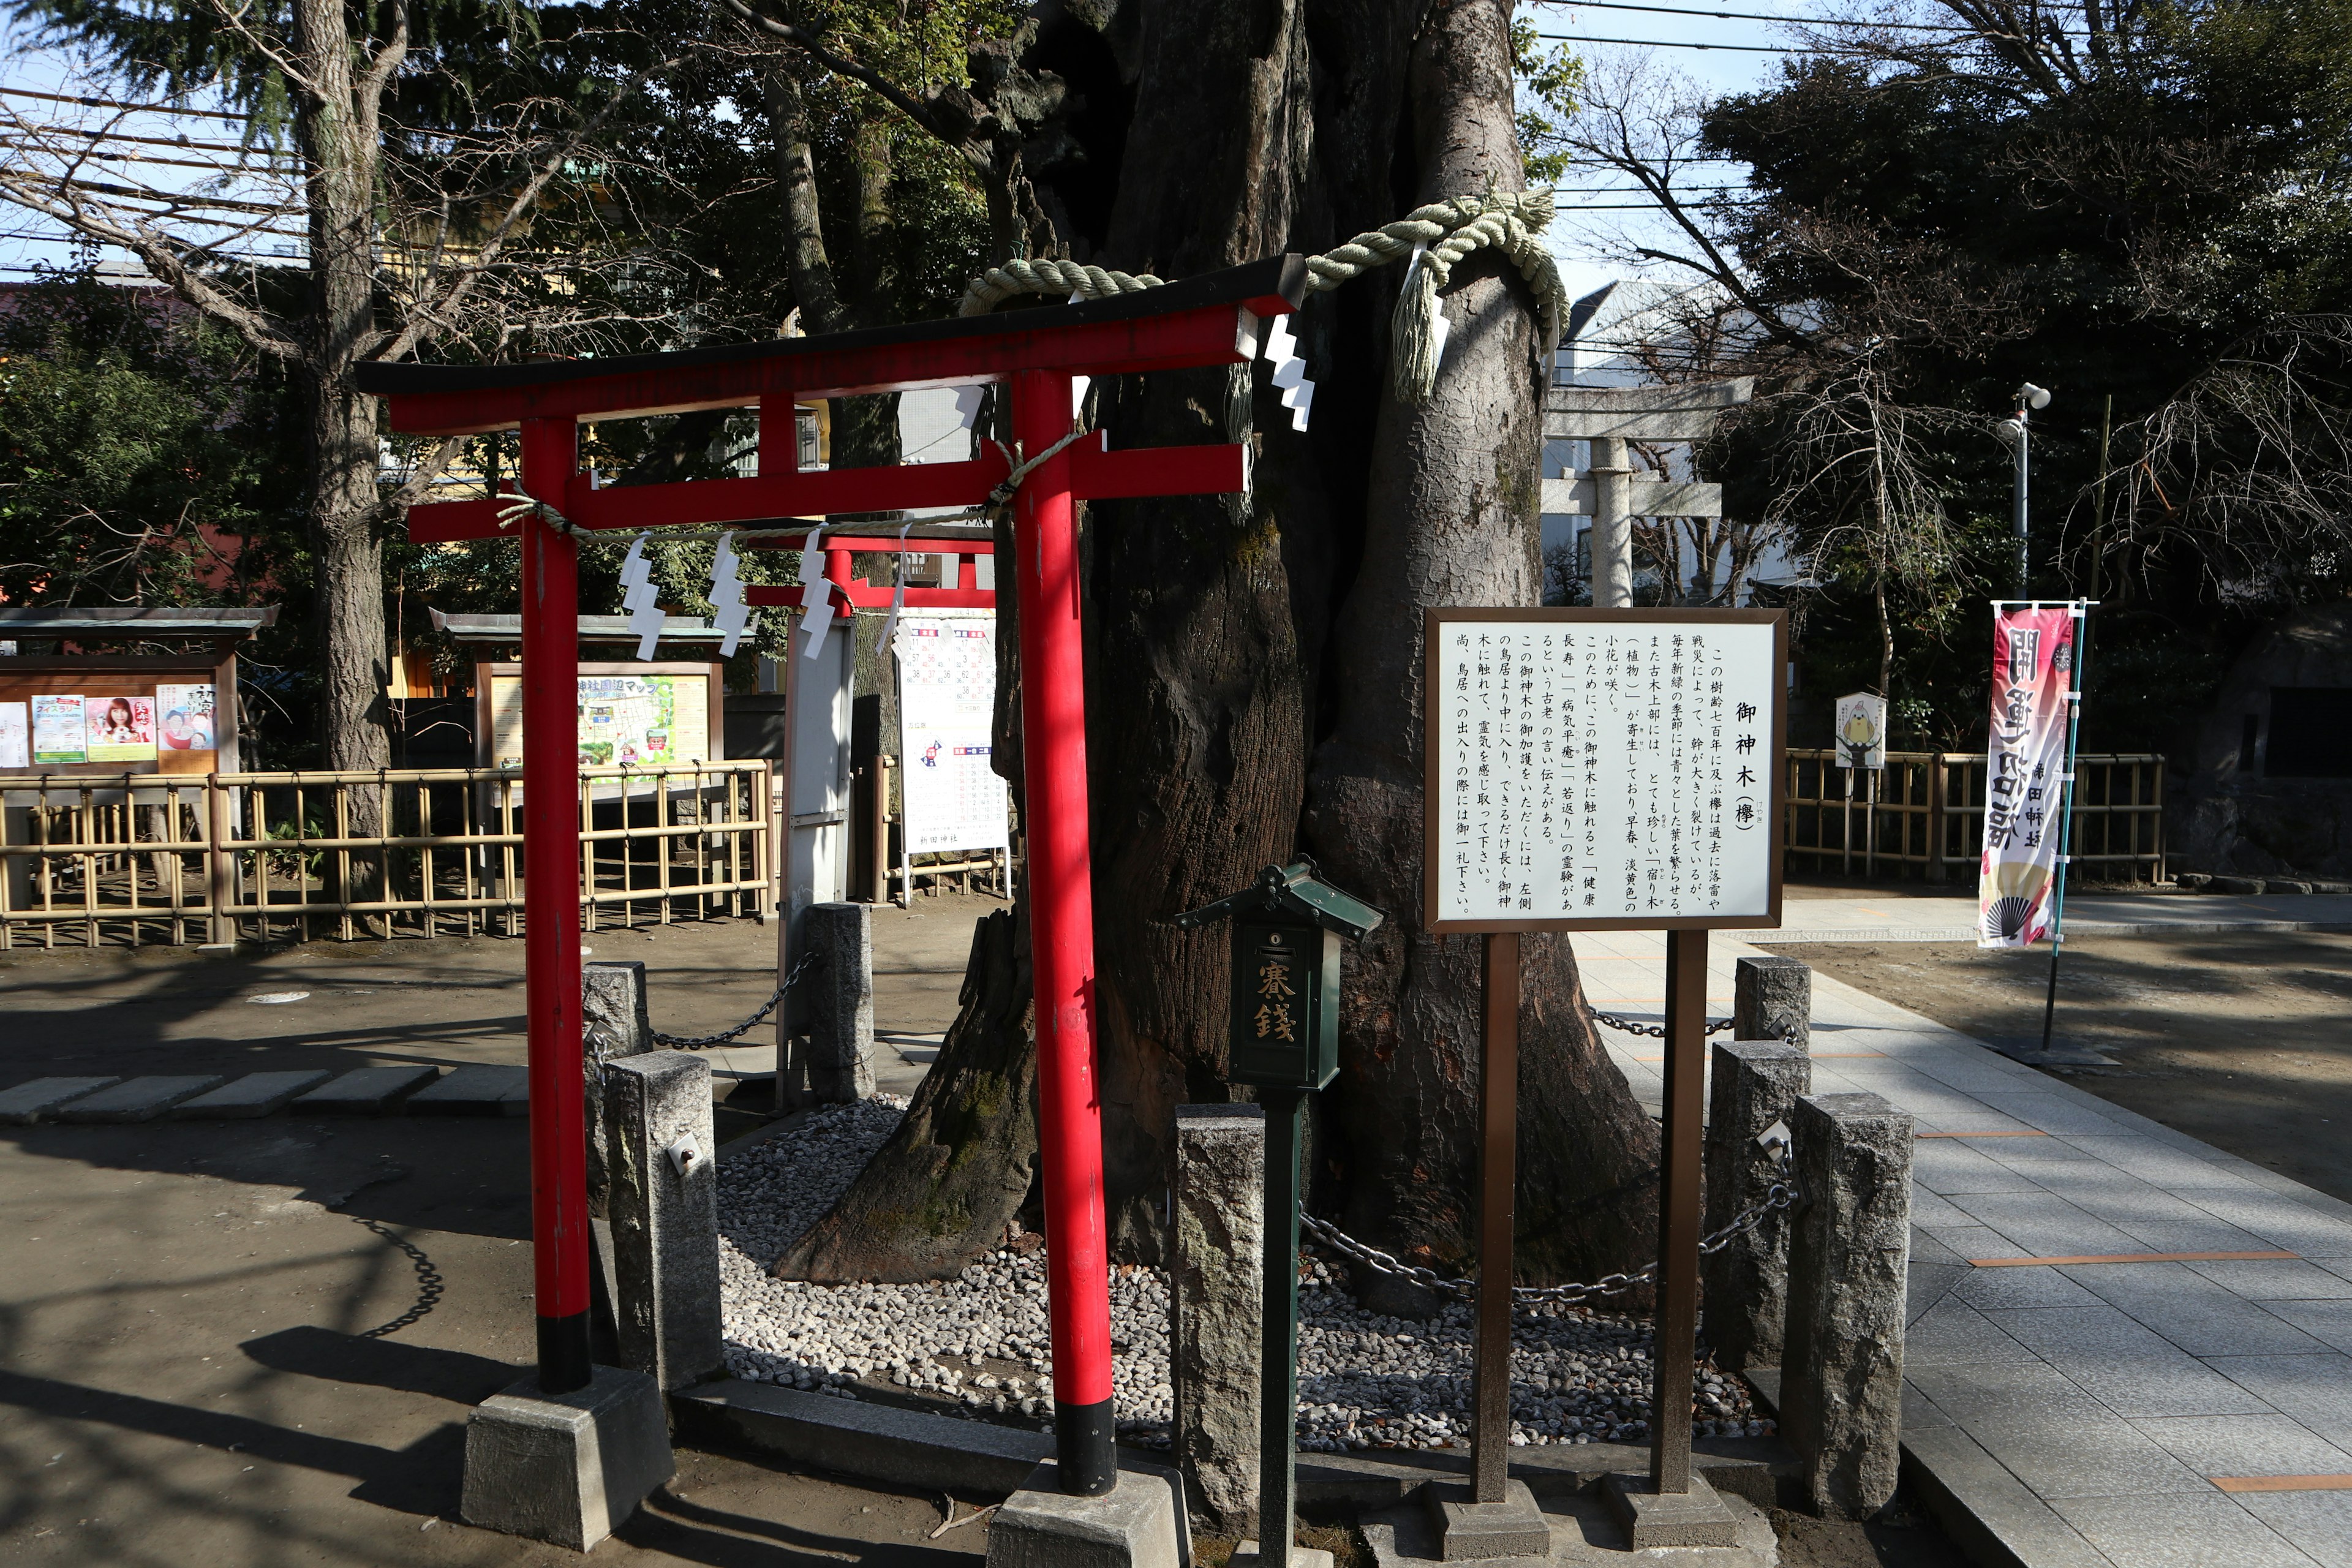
(2197, 1530)
(138, 1099)
(2329, 1322)
(2320, 1522)
(365, 1091)
(254, 1095)
(1996, 1517)
(1953, 918)
(28, 1103)
(2202, 1317)
(2072, 1415)
(2247, 1445)
(475, 1090)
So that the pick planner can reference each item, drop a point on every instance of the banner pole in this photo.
(2081, 613)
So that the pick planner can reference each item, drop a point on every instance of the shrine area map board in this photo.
(947, 704)
(1603, 769)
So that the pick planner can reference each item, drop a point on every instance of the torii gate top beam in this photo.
(1171, 327)
(1207, 321)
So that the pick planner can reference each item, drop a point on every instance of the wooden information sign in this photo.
(1599, 769)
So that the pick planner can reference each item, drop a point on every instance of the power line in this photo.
(1767, 16)
(1725, 48)
(172, 198)
(113, 103)
(27, 127)
(144, 158)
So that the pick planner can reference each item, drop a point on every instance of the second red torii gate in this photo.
(1208, 321)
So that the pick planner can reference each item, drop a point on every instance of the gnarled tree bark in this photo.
(1451, 520)
(1216, 671)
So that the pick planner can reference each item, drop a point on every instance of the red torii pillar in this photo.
(1203, 322)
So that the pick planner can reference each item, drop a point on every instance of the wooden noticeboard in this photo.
(107, 714)
(1603, 770)
(1599, 769)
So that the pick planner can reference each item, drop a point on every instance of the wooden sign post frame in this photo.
(1675, 1339)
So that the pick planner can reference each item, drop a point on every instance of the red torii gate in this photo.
(1206, 320)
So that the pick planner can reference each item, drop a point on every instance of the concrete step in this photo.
(477, 1091)
(856, 1437)
(366, 1091)
(139, 1099)
(255, 1094)
(29, 1102)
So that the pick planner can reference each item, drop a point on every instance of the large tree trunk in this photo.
(337, 132)
(1213, 666)
(1199, 681)
(1451, 520)
(947, 1183)
(835, 297)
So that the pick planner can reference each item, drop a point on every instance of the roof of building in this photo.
(133, 622)
(677, 630)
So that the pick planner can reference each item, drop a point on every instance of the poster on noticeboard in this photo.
(119, 729)
(16, 735)
(59, 737)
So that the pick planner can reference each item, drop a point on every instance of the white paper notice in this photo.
(16, 735)
(1603, 771)
(947, 705)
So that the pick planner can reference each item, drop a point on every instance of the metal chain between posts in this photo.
(1658, 1031)
(681, 1042)
(1783, 1193)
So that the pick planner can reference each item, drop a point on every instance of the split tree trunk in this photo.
(1451, 520)
(948, 1181)
(1214, 668)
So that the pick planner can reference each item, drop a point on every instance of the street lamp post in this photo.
(2015, 431)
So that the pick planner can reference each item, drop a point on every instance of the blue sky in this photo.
(1577, 241)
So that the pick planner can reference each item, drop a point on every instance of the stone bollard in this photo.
(664, 1216)
(614, 1022)
(1772, 999)
(1754, 1084)
(839, 992)
(1215, 1307)
(1841, 1375)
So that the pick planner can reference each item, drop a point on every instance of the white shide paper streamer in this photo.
(645, 617)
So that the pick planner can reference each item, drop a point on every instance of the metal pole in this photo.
(2025, 439)
(786, 1096)
(1613, 528)
(881, 892)
(1870, 828)
(1845, 827)
(1498, 1128)
(1277, 1441)
(1061, 925)
(1678, 1221)
(551, 838)
(2066, 817)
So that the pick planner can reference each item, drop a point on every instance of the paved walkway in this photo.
(1897, 916)
(2142, 1413)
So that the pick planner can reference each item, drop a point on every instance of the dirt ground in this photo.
(2240, 1039)
(234, 1343)
(1903, 1537)
(250, 1344)
(241, 1345)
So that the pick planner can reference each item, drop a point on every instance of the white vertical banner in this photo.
(2025, 759)
(947, 711)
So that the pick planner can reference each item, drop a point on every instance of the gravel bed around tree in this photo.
(1365, 1381)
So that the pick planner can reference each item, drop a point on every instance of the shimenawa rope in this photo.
(1441, 232)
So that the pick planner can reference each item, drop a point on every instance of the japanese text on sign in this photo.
(1602, 770)
(947, 695)
(1275, 995)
